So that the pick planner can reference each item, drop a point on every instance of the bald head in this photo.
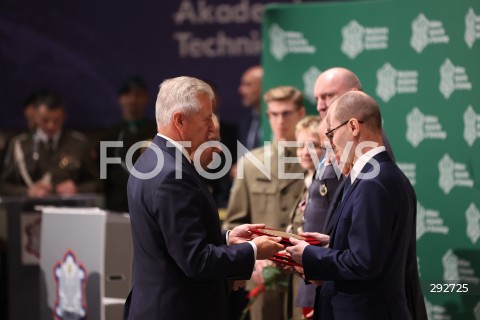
(255, 72)
(250, 88)
(332, 83)
(358, 105)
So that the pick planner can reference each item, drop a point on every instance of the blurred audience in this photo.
(48, 160)
(133, 99)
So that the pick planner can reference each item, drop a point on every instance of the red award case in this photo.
(281, 257)
(285, 236)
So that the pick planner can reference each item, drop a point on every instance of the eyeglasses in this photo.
(330, 133)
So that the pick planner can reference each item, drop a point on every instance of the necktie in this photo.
(48, 145)
(51, 146)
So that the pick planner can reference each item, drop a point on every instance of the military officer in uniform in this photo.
(49, 160)
(257, 198)
(133, 99)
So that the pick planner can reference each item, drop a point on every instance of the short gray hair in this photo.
(179, 94)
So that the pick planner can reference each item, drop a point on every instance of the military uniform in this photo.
(117, 174)
(30, 159)
(257, 199)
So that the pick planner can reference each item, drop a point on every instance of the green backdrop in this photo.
(421, 61)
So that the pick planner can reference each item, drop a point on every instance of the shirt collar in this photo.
(177, 145)
(362, 161)
(41, 136)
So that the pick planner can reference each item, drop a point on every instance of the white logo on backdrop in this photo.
(457, 270)
(410, 170)
(453, 78)
(418, 265)
(472, 126)
(425, 32)
(472, 216)
(435, 312)
(452, 174)
(429, 221)
(423, 126)
(356, 38)
(472, 27)
(283, 42)
(450, 266)
(476, 311)
(391, 81)
(309, 78)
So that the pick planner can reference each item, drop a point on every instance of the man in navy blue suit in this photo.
(363, 268)
(181, 258)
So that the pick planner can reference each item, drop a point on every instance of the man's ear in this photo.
(355, 127)
(178, 120)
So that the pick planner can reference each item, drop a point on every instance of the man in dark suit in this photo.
(250, 89)
(364, 266)
(182, 260)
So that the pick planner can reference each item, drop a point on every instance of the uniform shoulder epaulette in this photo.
(78, 135)
(21, 137)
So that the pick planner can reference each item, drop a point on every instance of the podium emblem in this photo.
(70, 277)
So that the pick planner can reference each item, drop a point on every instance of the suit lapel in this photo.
(339, 204)
(333, 210)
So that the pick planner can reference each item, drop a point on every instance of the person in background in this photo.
(29, 115)
(331, 84)
(310, 152)
(29, 108)
(250, 90)
(211, 159)
(227, 135)
(133, 99)
(257, 198)
(182, 260)
(49, 160)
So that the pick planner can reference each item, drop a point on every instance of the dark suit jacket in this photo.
(244, 128)
(364, 267)
(181, 260)
(413, 289)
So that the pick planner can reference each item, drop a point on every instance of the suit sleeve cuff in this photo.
(254, 246)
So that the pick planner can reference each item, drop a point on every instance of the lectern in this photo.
(20, 229)
(85, 263)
